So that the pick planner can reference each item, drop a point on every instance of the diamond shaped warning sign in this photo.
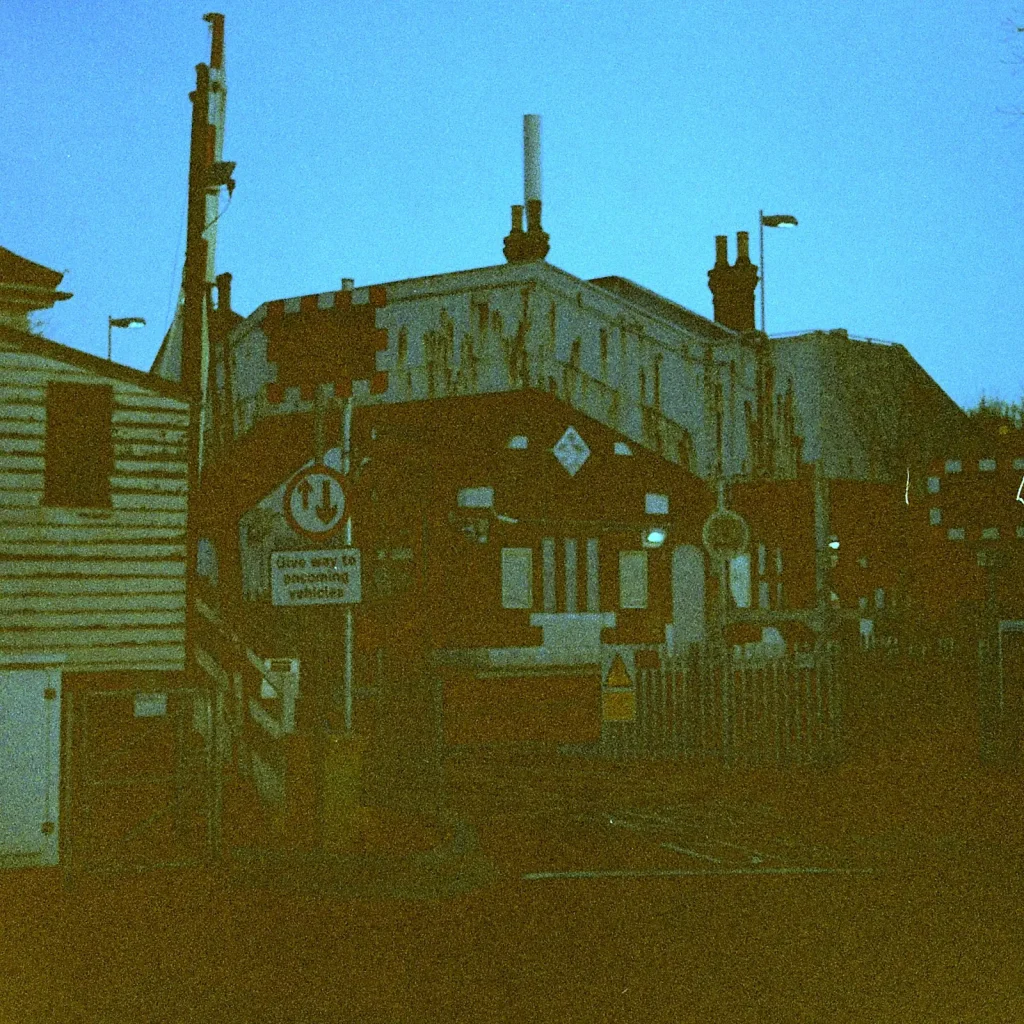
(571, 451)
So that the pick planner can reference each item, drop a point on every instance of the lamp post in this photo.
(772, 220)
(123, 321)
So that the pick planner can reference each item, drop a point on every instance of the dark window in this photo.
(79, 446)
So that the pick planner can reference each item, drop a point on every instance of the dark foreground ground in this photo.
(885, 892)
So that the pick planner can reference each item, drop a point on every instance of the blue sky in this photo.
(382, 140)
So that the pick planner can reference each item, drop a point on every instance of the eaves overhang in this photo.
(48, 349)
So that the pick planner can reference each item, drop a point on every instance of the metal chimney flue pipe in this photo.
(531, 158)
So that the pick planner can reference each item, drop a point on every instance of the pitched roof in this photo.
(15, 269)
(47, 349)
(665, 308)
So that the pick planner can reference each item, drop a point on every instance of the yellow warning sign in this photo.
(619, 706)
(617, 674)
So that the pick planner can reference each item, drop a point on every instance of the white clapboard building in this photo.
(92, 555)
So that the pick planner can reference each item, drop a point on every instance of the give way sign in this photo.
(314, 502)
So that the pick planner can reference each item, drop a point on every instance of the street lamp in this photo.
(123, 321)
(773, 220)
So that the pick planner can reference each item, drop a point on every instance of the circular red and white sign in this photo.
(314, 502)
(725, 534)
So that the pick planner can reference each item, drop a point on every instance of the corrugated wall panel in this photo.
(149, 501)
(60, 550)
(21, 482)
(43, 517)
(25, 413)
(150, 451)
(130, 627)
(95, 567)
(22, 462)
(140, 417)
(162, 485)
(20, 395)
(22, 428)
(67, 640)
(149, 468)
(167, 658)
(157, 435)
(92, 585)
(11, 605)
(113, 617)
(19, 499)
(103, 585)
(88, 533)
(143, 658)
(144, 400)
(17, 445)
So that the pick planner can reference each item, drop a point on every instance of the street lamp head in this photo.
(778, 220)
(126, 321)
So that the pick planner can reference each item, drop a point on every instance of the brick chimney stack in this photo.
(732, 287)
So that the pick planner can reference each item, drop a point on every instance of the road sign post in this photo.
(725, 535)
(346, 467)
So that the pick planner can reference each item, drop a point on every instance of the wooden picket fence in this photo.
(781, 710)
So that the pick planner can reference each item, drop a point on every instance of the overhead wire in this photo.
(175, 275)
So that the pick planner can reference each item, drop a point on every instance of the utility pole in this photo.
(206, 175)
(193, 338)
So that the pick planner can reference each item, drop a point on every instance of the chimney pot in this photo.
(224, 293)
(347, 284)
(517, 220)
(533, 216)
(732, 287)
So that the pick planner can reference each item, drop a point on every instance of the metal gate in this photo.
(141, 776)
(783, 710)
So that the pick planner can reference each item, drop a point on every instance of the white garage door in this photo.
(29, 766)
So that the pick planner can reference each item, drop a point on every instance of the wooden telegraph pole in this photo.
(206, 175)
(193, 338)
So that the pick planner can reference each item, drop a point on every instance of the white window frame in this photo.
(633, 579)
(517, 578)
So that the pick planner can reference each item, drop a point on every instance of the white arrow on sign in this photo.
(314, 501)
